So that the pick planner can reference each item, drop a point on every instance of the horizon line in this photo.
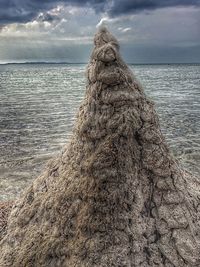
(84, 63)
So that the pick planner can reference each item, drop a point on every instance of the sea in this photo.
(39, 102)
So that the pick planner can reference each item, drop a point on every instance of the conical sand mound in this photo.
(115, 197)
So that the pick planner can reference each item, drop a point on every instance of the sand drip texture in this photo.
(5, 208)
(115, 196)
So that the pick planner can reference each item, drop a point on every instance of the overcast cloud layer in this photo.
(150, 31)
(24, 10)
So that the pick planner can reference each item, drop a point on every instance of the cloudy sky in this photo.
(150, 31)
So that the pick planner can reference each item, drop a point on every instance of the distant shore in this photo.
(84, 63)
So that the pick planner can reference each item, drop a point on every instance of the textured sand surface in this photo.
(116, 196)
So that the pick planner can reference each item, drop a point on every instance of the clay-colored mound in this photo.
(115, 197)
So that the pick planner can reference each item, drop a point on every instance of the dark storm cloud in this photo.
(25, 10)
(133, 6)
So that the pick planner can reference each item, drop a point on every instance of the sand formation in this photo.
(5, 208)
(115, 196)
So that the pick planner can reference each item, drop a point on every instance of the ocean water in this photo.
(38, 104)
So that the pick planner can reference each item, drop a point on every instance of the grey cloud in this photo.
(126, 6)
(25, 10)
(47, 17)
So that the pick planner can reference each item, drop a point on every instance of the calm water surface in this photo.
(38, 104)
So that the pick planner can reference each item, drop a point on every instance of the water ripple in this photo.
(38, 104)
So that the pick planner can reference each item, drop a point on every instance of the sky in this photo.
(149, 31)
